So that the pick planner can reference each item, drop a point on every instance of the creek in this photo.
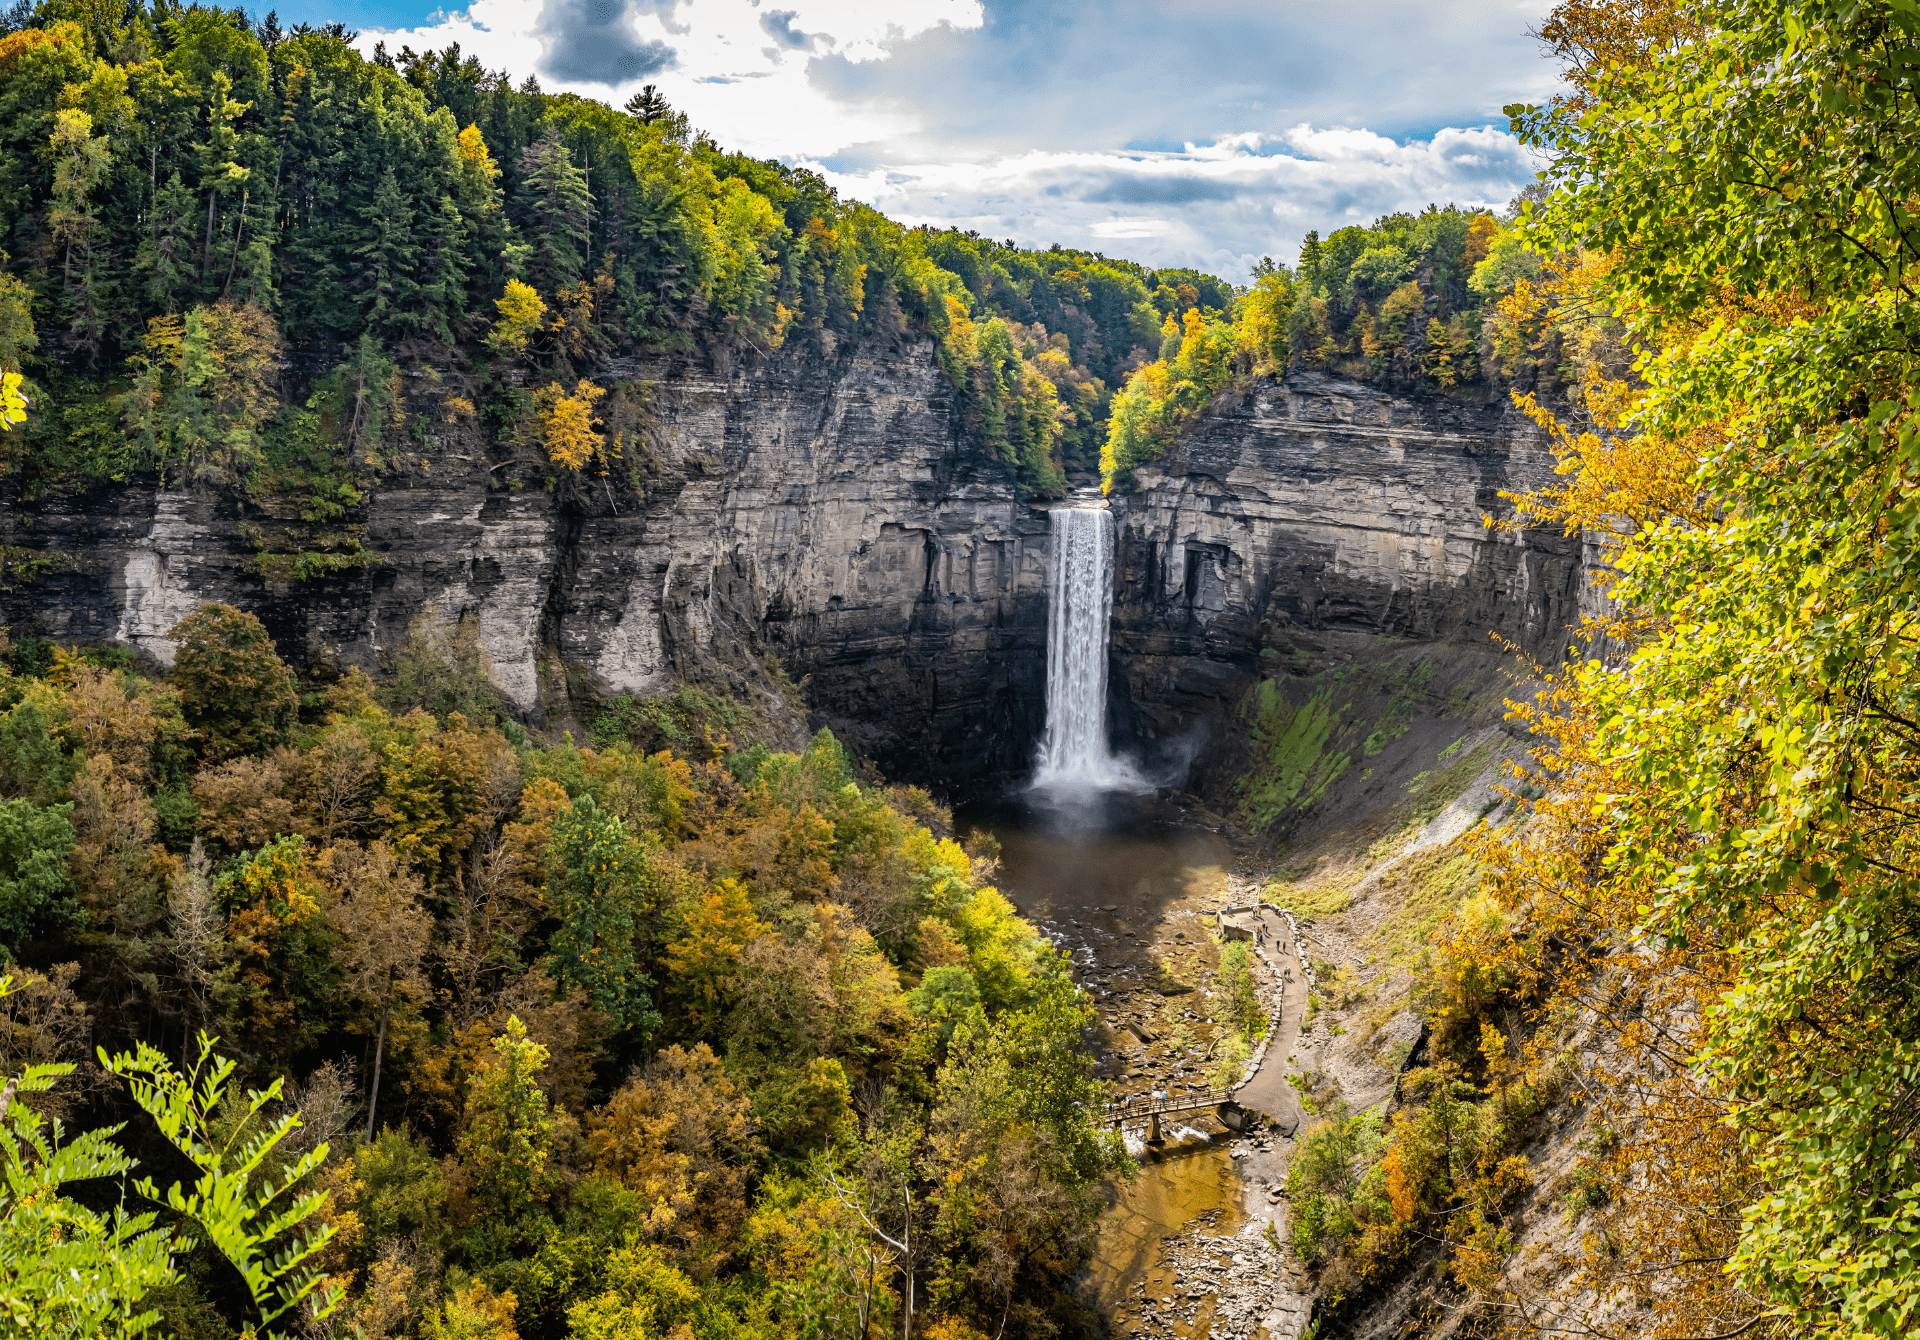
(1108, 874)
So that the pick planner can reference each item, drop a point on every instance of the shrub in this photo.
(1234, 997)
(443, 668)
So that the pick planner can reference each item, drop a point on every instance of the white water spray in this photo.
(1079, 604)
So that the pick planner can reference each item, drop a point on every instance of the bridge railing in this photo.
(1188, 1102)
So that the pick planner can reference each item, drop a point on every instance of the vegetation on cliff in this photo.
(1409, 302)
(1711, 894)
(228, 246)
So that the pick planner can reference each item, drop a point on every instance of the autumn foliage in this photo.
(1712, 890)
(601, 1032)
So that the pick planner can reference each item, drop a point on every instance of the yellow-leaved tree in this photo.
(567, 422)
(13, 401)
(521, 315)
(1719, 877)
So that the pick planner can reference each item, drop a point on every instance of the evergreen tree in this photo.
(389, 261)
(597, 887)
(164, 263)
(557, 213)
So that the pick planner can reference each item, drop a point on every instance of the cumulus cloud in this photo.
(1222, 205)
(1209, 133)
(778, 24)
(595, 42)
(734, 66)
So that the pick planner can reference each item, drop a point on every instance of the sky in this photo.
(1206, 133)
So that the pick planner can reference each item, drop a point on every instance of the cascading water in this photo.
(1074, 754)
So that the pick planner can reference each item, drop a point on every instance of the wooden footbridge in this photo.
(1153, 1108)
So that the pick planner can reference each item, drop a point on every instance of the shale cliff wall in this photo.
(1298, 521)
(835, 514)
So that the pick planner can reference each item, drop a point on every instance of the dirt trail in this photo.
(1268, 1092)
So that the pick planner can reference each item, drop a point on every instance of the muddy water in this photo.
(1190, 1180)
(1068, 855)
(1100, 872)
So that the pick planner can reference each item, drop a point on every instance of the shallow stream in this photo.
(1101, 872)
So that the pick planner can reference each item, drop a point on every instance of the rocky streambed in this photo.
(1132, 887)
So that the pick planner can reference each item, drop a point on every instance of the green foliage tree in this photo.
(558, 211)
(32, 764)
(598, 886)
(442, 668)
(235, 691)
(506, 1133)
(287, 950)
(1235, 997)
(68, 1270)
(1731, 776)
(946, 995)
(202, 390)
(34, 846)
(1019, 1151)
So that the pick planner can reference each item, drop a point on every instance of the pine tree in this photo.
(1309, 267)
(647, 106)
(389, 260)
(221, 174)
(164, 263)
(558, 213)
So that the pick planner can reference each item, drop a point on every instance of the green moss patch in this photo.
(1293, 767)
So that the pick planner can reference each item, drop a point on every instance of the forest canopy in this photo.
(222, 238)
(675, 1025)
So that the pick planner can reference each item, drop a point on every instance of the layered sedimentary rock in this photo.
(835, 515)
(1297, 517)
(831, 514)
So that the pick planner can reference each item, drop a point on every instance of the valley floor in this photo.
(1200, 1244)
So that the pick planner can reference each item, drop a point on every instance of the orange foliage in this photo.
(683, 1136)
(1594, 39)
(719, 927)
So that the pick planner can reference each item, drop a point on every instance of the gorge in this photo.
(600, 740)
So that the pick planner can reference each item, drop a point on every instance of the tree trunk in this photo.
(235, 260)
(866, 1300)
(373, 1094)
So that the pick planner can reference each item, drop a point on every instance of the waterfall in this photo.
(1079, 603)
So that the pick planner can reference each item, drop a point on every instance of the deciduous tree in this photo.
(235, 691)
(386, 930)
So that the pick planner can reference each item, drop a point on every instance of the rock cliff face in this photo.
(1296, 521)
(835, 516)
